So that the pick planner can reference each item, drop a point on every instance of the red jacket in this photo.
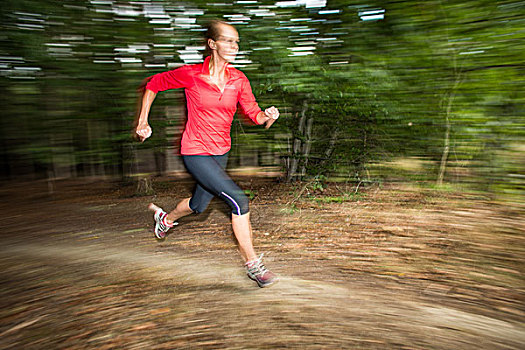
(210, 111)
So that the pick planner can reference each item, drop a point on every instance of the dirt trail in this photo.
(95, 287)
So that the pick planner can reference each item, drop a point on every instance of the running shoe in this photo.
(259, 273)
(161, 225)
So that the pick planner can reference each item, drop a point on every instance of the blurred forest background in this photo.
(427, 91)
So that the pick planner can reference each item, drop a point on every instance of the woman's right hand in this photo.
(143, 131)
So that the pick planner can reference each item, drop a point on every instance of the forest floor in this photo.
(395, 266)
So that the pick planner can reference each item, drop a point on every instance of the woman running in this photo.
(213, 90)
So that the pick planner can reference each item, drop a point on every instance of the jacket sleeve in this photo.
(173, 79)
(247, 101)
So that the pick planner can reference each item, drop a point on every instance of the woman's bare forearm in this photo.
(147, 101)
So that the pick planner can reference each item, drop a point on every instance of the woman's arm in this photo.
(251, 108)
(143, 129)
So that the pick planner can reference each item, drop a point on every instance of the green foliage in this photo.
(250, 193)
(352, 92)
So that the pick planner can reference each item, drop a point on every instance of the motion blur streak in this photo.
(404, 121)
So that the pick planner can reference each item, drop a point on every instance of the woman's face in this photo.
(227, 44)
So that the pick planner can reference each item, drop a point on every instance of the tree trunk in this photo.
(330, 149)
(446, 146)
(307, 146)
(444, 156)
(144, 186)
(160, 161)
(292, 171)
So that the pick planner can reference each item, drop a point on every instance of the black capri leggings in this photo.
(212, 180)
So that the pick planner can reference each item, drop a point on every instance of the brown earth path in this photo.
(394, 268)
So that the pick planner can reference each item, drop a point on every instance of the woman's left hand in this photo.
(272, 113)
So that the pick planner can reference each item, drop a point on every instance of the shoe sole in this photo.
(264, 285)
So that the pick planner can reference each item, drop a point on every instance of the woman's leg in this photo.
(182, 209)
(211, 176)
(242, 229)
